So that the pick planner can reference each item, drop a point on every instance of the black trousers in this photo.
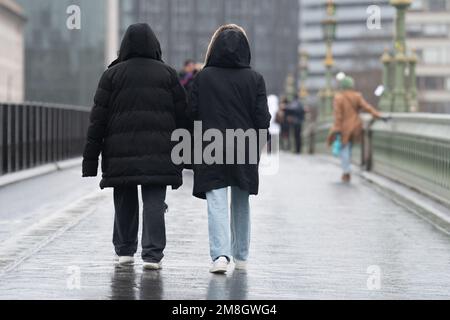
(298, 137)
(126, 222)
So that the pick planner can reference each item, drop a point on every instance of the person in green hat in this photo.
(348, 126)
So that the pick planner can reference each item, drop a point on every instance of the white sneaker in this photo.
(152, 265)
(240, 265)
(125, 261)
(219, 266)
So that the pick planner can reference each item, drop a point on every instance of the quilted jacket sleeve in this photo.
(262, 115)
(180, 102)
(97, 128)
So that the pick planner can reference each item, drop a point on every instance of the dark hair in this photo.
(188, 62)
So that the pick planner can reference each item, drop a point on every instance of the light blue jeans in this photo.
(229, 237)
(346, 158)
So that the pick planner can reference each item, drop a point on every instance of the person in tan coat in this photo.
(348, 104)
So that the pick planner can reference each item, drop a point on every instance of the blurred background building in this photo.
(185, 27)
(357, 50)
(428, 27)
(62, 65)
(12, 20)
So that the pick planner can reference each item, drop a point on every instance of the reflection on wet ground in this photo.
(149, 285)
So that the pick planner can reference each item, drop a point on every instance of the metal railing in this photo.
(413, 149)
(33, 134)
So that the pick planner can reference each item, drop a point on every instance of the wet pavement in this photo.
(25, 203)
(313, 238)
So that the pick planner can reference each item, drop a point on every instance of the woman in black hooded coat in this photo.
(228, 95)
(138, 105)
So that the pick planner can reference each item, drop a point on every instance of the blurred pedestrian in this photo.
(138, 104)
(274, 130)
(295, 115)
(228, 95)
(348, 126)
(281, 119)
(188, 73)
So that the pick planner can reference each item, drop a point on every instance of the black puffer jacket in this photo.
(138, 104)
(228, 94)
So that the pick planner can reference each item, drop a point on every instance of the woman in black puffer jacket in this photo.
(228, 95)
(138, 104)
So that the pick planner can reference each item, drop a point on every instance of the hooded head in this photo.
(347, 83)
(139, 41)
(229, 48)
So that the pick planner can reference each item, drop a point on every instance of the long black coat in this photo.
(228, 94)
(138, 104)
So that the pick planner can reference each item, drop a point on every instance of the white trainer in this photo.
(219, 266)
(152, 265)
(125, 261)
(240, 265)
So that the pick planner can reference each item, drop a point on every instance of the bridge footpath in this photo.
(313, 237)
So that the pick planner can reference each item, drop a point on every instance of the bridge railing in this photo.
(413, 149)
(33, 134)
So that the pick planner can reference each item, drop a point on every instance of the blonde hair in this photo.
(216, 34)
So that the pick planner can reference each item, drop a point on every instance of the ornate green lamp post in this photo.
(303, 66)
(289, 87)
(386, 99)
(412, 89)
(399, 69)
(400, 101)
(309, 129)
(329, 32)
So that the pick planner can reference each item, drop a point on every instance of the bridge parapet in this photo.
(34, 133)
(412, 148)
(415, 150)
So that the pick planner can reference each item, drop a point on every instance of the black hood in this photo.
(139, 41)
(230, 50)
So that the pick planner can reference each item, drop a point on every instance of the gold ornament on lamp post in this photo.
(303, 66)
(329, 32)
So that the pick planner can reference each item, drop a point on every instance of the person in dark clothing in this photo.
(138, 104)
(295, 115)
(187, 75)
(281, 119)
(228, 94)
